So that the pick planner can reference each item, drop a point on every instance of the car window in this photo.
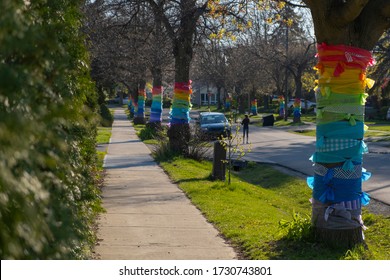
(213, 119)
(219, 119)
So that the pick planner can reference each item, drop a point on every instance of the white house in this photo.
(205, 94)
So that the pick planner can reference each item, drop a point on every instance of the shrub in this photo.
(299, 229)
(197, 147)
(106, 117)
(48, 198)
(147, 133)
(162, 151)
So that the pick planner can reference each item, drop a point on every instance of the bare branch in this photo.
(158, 11)
(293, 4)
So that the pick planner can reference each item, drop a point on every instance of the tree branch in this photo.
(376, 20)
(292, 4)
(343, 11)
(310, 3)
(158, 12)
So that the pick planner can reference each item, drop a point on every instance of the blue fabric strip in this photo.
(334, 157)
(341, 129)
(333, 190)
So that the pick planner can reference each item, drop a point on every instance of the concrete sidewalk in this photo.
(148, 217)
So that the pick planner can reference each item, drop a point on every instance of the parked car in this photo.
(213, 125)
(388, 115)
(310, 104)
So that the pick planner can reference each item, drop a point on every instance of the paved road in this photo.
(278, 146)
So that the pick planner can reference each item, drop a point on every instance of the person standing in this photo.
(245, 124)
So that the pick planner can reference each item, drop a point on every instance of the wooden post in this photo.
(219, 161)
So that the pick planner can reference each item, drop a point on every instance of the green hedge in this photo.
(106, 117)
(48, 196)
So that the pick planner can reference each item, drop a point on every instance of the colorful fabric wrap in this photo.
(281, 106)
(297, 108)
(135, 105)
(130, 105)
(157, 107)
(181, 104)
(340, 124)
(228, 103)
(335, 185)
(254, 107)
(141, 103)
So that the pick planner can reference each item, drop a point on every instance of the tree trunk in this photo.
(297, 113)
(297, 110)
(179, 131)
(340, 130)
(337, 184)
(266, 101)
(157, 92)
(140, 116)
(254, 107)
(240, 99)
(336, 226)
(134, 100)
(130, 105)
(219, 102)
(157, 73)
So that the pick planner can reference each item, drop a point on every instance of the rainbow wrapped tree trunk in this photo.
(297, 110)
(134, 105)
(179, 131)
(157, 107)
(281, 106)
(254, 107)
(228, 103)
(130, 106)
(140, 115)
(338, 174)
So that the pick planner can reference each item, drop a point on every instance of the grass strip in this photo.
(248, 213)
(103, 135)
(311, 132)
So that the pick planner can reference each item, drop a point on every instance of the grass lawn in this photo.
(248, 213)
(104, 135)
(305, 118)
(366, 134)
(380, 127)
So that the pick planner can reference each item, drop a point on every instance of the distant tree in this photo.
(381, 73)
(210, 66)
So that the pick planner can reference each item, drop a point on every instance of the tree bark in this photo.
(358, 23)
(179, 131)
(342, 24)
